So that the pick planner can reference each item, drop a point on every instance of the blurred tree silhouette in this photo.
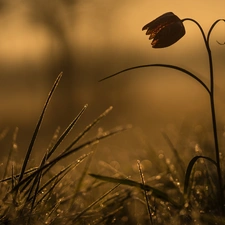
(58, 18)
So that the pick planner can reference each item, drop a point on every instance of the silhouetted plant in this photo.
(166, 30)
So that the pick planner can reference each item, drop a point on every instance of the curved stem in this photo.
(219, 172)
(199, 26)
(211, 94)
(211, 28)
(161, 65)
(213, 112)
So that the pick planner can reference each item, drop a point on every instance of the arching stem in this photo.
(213, 111)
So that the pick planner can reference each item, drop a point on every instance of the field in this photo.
(159, 190)
(78, 179)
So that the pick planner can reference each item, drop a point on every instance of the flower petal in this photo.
(161, 20)
(165, 30)
(168, 35)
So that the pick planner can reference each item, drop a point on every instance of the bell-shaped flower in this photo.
(165, 30)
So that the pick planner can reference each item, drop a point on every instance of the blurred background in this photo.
(91, 39)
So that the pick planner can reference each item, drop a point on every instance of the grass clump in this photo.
(41, 194)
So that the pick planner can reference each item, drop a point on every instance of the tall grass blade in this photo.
(54, 146)
(52, 179)
(71, 151)
(88, 128)
(145, 192)
(94, 203)
(37, 128)
(67, 130)
(63, 136)
(80, 181)
(36, 183)
(59, 176)
(54, 139)
(17, 175)
(38, 176)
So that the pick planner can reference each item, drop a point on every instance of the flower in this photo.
(165, 30)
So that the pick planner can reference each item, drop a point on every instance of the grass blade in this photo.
(145, 192)
(157, 193)
(94, 203)
(79, 183)
(67, 130)
(71, 151)
(17, 175)
(63, 136)
(179, 161)
(37, 128)
(12, 149)
(88, 128)
(62, 173)
(189, 170)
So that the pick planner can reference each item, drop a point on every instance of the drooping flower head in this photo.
(165, 30)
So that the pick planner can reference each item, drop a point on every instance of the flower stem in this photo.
(213, 111)
(211, 97)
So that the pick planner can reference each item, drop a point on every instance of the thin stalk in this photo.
(213, 111)
(161, 65)
(145, 192)
(37, 128)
